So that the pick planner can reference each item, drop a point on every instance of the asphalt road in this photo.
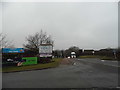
(84, 73)
(0, 72)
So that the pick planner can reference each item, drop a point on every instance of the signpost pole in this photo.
(114, 54)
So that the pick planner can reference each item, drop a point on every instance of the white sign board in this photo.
(45, 49)
(45, 55)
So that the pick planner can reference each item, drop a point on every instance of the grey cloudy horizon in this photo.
(88, 25)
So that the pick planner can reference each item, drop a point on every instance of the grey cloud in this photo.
(87, 25)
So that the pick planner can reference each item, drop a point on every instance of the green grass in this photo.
(90, 56)
(0, 69)
(107, 58)
(96, 56)
(55, 63)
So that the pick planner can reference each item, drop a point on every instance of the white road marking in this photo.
(74, 64)
(103, 63)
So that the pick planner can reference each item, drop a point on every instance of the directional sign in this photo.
(45, 49)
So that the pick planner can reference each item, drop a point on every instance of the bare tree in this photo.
(4, 43)
(34, 41)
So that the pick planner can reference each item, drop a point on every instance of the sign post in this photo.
(114, 52)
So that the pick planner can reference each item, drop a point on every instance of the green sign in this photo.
(29, 60)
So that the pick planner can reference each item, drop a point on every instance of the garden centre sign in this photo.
(12, 50)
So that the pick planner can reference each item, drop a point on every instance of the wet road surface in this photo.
(84, 73)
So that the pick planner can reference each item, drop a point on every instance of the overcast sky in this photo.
(88, 25)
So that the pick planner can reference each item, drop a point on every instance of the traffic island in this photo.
(66, 61)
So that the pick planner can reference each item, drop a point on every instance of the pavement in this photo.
(83, 73)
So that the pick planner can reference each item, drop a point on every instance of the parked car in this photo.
(10, 60)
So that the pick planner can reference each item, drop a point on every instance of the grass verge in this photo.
(100, 57)
(55, 63)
